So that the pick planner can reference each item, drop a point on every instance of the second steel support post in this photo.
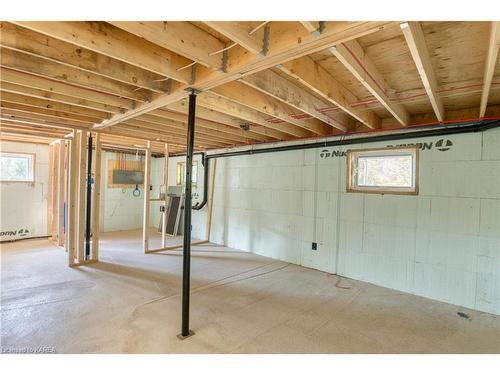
(186, 252)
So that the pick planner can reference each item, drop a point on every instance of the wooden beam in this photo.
(416, 43)
(175, 129)
(317, 79)
(147, 182)
(37, 139)
(41, 67)
(96, 202)
(29, 118)
(287, 41)
(249, 97)
(85, 97)
(239, 32)
(38, 45)
(208, 125)
(7, 127)
(287, 92)
(28, 101)
(38, 114)
(54, 112)
(221, 104)
(354, 58)
(168, 121)
(113, 42)
(210, 114)
(182, 38)
(311, 26)
(490, 65)
(31, 94)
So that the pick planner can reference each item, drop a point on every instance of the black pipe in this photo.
(439, 131)
(186, 251)
(89, 199)
(205, 162)
(471, 128)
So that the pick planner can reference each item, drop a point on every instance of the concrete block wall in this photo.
(443, 243)
(24, 205)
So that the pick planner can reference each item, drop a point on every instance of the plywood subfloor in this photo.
(241, 303)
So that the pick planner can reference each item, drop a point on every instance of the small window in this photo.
(386, 170)
(181, 174)
(15, 167)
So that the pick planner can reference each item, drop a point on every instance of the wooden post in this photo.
(211, 189)
(60, 192)
(147, 182)
(81, 195)
(97, 199)
(71, 203)
(50, 195)
(165, 200)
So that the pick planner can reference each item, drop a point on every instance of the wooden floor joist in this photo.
(260, 81)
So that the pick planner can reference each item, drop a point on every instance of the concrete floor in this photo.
(241, 303)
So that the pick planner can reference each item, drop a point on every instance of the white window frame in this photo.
(352, 157)
(33, 164)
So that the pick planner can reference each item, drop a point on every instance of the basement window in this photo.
(383, 170)
(16, 167)
(181, 174)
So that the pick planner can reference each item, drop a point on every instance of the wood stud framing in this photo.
(489, 68)
(71, 245)
(127, 80)
(354, 58)
(147, 198)
(416, 42)
(165, 198)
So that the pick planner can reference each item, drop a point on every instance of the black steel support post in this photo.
(186, 251)
(89, 200)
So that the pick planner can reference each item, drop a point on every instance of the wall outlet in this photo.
(314, 246)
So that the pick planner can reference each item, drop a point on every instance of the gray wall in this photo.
(443, 244)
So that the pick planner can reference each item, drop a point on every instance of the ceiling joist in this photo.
(354, 58)
(416, 43)
(489, 68)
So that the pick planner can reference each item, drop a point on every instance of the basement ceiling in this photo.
(281, 81)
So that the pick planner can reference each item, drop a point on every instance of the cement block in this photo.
(458, 251)
(389, 241)
(351, 236)
(454, 215)
(491, 144)
(489, 246)
(488, 285)
(352, 207)
(490, 218)
(393, 210)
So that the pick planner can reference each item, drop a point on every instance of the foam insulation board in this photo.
(443, 243)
